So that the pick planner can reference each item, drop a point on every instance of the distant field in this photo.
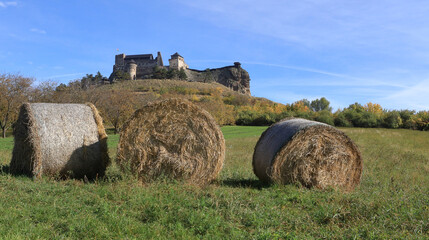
(391, 203)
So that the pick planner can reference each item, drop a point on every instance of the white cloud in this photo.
(356, 81)
(415, 97)
(63, 75)
(36, 30)
(7, 4)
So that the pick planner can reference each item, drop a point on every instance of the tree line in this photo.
(116, 104)
(370, 115)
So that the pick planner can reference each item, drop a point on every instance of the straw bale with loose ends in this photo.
(60, 140)
(172, 138)
(309, 153)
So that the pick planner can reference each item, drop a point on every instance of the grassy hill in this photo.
(391, 202)
(225, 105)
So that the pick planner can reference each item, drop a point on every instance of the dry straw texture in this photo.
(172, 138)
(309, 153)
(64, 140)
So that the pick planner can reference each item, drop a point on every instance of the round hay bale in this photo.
(172, 138)
(60, 140)
(310, 153)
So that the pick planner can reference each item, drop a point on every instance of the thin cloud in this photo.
(36, 30)
(356, 80)
(8, 4)
(317, 24)
(415, 97)
(63, 75)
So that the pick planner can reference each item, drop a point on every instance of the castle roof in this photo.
(140, 56)
(175, 55)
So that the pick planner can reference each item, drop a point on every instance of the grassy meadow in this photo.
(392, 201)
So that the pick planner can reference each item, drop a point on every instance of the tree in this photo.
(70, 93)
(159, 73)
(14, 90)
(324, 116)
(87, 81)
(207, 74)
(300, 106)
(44, 92)
(320, 105)
(172, 74)
(392, 119)
(90, 80)
(117, 107)
(182, 74)
(374, 108)
(119, 76)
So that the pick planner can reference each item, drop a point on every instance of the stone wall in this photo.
(233, 77)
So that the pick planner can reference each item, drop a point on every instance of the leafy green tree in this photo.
(406, 116)
(367, 119)
(392, 119)
(306, 102)
(172, 74)
(119, 76)
(182, 74)
(324, 116)
(91, 80)
(356, 107)
(340, 120)
(320, 105)
(159, 73)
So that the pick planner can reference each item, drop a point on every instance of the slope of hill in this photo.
(228, 107)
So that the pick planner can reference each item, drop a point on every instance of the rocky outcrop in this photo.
(234, 77)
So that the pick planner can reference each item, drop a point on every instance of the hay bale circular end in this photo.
(172, 138)
(60, 140)
(310, 153)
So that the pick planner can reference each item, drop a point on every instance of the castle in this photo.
(143, 66)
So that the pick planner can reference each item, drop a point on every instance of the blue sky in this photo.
(347, 51)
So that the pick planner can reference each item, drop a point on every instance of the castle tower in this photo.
(119, 59)
(132, 69)
(159, 60)
(177, 62)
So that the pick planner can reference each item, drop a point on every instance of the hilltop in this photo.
(145, 66)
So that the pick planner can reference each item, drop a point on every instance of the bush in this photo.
(392, 120)
(324, 116)
(252, 118)
(368, 120)
(341, 120)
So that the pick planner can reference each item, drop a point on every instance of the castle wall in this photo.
(144, 66)
(234, 77)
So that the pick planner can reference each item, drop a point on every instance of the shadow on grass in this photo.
(4, 169)
(245, 183)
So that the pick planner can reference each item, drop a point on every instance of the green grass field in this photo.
(392, 201)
